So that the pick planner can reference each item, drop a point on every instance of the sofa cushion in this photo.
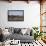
(20, 37)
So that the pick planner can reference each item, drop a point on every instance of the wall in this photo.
(31, 14)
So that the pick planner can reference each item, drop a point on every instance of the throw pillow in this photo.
(17, 30)
(23, 31)
(5, 32)
(28, 31)
(11, 30)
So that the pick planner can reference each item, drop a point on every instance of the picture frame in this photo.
(15, 15)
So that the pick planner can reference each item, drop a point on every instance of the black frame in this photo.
(16, 17)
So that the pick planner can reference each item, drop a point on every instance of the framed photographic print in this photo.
(15, 15)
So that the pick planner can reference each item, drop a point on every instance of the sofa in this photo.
(22, 34)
